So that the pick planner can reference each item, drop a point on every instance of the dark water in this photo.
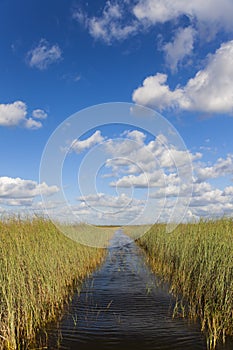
(122, 307)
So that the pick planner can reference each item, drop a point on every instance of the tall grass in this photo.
(38, 269)
(197, 261)
(87, 234)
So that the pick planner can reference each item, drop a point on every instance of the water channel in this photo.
(123, 306)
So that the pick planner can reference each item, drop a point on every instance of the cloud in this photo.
(17, 191)
(153, 166)
(32, 124)
(180, 47)
(156, 154)
(26, 202)
(39, 114)
(110, 25)
(136, 163)
(157, 11)
(80, 146)
(107, 202)
(206, 201)
(228, 191)
(211, 12)
(222, 167)
(79, 16)
(122, 19)
(15, 114)
(211, 201)
(103, 208)
(71, 77)
(144, 180)
(135, 135)
(174, 189)
(43, 55)
(156, 94)
(159, 174)
(144, 165)
(214, 196)
(210, 91)
(12, 114)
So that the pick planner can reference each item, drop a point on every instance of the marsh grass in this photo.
(136, 231)
(39, 268)
(90, 235)
(197, 261)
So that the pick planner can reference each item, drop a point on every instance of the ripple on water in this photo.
(123, 307)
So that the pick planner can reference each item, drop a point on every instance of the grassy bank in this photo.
(38, 268)
(197, 260)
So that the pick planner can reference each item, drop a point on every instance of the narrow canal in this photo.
(122, 306)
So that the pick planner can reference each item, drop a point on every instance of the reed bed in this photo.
(39, 268)
(197, 261)
(90, 235)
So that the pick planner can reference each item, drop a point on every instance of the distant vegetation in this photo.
(197, 261)
(39, 268)
(87, 234)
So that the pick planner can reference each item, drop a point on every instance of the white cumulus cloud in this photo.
(39, 114)
(155, 93)
(158, 174)
(210, 91)
(17, 191)
(210, 12)
(102, 207)
(80, 146)
(12, 113)
(222, 167)
(16, 114)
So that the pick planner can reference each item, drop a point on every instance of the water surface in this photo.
(122, 306)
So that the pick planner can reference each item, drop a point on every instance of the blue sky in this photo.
(59, 57)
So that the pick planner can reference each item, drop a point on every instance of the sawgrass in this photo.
(197, 260)
(39, 268)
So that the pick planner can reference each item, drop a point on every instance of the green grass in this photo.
(197, 261)
(39, 268)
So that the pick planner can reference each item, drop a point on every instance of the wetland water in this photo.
(121, 306)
